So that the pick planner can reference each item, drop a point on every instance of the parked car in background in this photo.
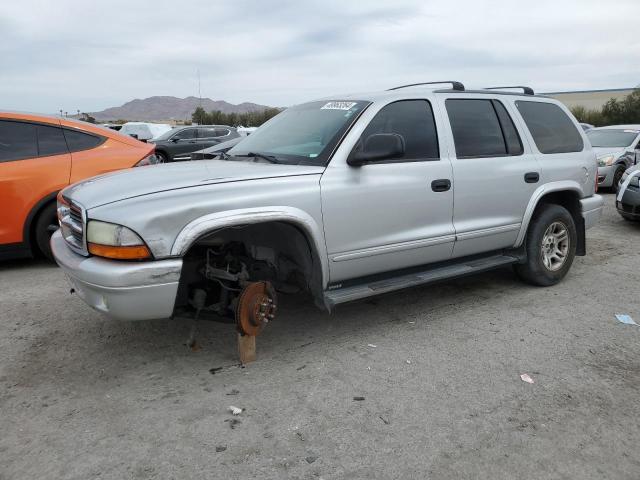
(586, 126)
(113, 126)
(181, 142)
(246, 131)
(39, 156)
(617, 148)
(628, 198)
(215, 151)
(343, 198)
(144, 131)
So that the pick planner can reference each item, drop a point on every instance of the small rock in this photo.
(311, 458)
(220, 448)
(358, 399)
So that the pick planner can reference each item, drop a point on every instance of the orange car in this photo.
(39, 156)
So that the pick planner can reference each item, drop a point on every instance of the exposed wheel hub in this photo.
(256, 307)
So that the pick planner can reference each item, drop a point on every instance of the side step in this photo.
(436, 274)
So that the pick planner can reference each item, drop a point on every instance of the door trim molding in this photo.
(392, 248)
(486, 232)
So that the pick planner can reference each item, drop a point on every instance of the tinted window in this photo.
(476, 129)
(185, 134)
(78, 141)
(511, 137)
(611, 137)
(413, 120)
(551, 128)
(221, 132)
(17, 140)
(206, 133)
(51, 141)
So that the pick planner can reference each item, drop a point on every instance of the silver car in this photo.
(617, 148)
(342, 198)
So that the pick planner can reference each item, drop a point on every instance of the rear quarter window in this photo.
(78, 141)
(551, 128)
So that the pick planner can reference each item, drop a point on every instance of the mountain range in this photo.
(168, 108)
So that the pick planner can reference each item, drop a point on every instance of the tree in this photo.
(614, 112)
(247, 119)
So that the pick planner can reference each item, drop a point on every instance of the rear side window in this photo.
(482, 128)
(17, 140)
(551, 128)
(413, 119)
(206, 133)
(187, 133)
(51, 141)
(78, 141)
(221, 132)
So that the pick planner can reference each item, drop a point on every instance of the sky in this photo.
(90, 55)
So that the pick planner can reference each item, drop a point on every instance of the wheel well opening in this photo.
(220, 263)
(571, 201)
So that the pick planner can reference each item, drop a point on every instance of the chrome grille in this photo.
(72, 222)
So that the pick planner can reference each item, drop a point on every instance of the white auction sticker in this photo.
(338, 106)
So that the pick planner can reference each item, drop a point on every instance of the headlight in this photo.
(606, 160)
(115, 241)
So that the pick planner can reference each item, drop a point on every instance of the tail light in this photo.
(150, 159)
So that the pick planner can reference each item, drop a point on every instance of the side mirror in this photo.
(377, 147)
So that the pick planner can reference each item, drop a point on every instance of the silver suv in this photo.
(342, 198)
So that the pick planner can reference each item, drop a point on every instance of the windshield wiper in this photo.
(268, 158)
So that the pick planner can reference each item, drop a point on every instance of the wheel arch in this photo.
(204, 226)
(29, 223)
(566, 194)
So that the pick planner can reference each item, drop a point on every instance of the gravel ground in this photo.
(83, 397)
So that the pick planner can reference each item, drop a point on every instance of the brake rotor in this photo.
(256, 307)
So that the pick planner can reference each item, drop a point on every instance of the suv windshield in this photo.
(611, 137)
(305, 134)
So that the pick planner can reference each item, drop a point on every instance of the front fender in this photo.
(541, 191)
(206, 224)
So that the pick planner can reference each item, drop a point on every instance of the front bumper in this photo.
(592, 210)
(628, 203)
(605, 176)
(121, 290)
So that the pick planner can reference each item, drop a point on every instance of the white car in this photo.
(144, 130)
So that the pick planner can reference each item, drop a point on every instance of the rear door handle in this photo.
(531, 177)
(441, 185)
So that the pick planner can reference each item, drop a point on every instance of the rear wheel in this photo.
(45, 226)
(162, 157)
(550, 246)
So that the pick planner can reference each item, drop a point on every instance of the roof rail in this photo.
(526, 90)
(455, 85)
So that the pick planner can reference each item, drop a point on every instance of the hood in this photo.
(617, 151)
(135, 182)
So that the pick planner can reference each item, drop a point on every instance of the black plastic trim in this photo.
(457, 86)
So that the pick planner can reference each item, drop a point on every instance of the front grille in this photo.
(72, 226)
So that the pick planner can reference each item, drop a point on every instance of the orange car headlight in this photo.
(114, 241)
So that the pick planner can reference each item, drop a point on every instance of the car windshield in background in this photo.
(611, 137)
(305, 134)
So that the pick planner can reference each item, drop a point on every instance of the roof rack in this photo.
(526, 90)
(455, 85)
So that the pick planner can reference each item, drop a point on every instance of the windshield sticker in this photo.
(338, 105)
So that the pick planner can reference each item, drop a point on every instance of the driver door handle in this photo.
(441, 185)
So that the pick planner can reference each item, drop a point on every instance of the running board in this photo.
(437, 274)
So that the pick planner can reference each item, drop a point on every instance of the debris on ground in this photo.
(412, 323)
(386, 422)
(358, 399)
(300, 368)
(235, 410)
(526, 378)
(372, 345)
(408, 362)
(213, 370)
(625, 319)
(234, 392)
(311, 458)
(220, 448)
(233, 422)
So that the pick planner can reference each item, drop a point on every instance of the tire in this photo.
(45, 225)
(548, 257)
(616, 178)
(162, 157)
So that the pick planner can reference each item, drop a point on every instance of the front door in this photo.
(495, 174)
(394, 213)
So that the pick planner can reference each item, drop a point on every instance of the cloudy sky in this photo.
(90, 55)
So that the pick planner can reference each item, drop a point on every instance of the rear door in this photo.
(390, 214)
(34, 165)
(495, 173)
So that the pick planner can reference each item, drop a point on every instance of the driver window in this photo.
(185, 134)
(413, 120)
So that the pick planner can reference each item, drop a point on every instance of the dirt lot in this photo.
(83, 397)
